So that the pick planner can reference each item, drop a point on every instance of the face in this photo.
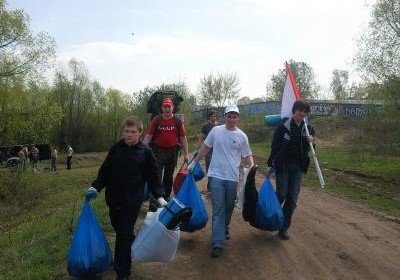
(167, 109)
(130, 134)
(213, 118)
(299, 115)
(231, 119)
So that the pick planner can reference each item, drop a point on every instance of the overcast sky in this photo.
(130, 44)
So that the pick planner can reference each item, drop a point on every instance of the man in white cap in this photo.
(229, 145)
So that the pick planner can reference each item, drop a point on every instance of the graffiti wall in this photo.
(355, 109)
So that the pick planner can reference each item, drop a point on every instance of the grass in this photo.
(35, 235)
(378, 202)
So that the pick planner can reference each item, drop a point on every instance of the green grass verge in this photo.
(35, 236)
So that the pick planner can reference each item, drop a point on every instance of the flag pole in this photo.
(314, 155)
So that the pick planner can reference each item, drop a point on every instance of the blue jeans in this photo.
(223, 195)
(288, 182)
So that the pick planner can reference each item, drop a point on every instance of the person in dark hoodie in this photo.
(128, 166)
(289, 158)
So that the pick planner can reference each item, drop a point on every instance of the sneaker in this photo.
(216, 252)
(227, 235)
(283, 234)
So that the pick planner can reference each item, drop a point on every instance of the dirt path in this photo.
(331, 238)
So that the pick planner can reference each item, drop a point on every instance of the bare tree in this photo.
(218, 89)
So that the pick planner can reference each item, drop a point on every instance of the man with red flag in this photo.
(289, 150)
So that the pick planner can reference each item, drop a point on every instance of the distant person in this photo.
(167, 136)
(34, 152)
(70, 151)
(230, 145)
(289, 158)
(54, 155)
(22, 159)
(128, 166)
(205, 129)
(26, 156)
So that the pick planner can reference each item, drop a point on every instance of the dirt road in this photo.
(331, 238)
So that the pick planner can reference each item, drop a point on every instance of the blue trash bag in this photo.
(89, 253)
(190, 196)
(198, 172)
(269, 215)
(146, 193)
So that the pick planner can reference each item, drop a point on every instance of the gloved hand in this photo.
(161, 201)
(91, 193)
(191, 165)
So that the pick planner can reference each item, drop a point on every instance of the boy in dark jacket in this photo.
(289, 157)
(128, 166)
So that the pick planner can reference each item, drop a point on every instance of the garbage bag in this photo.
(198, 172)
(240, 192)
(190, 196)
(154, 243)
(269, 215)
(89, 253)
(250, 197)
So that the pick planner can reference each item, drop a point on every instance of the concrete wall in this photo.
(346, 108)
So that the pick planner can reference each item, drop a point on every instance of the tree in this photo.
(218, 89)
(378, 56)
(74, 92)
(339, 84)
(21, 52)
(304, 77)
(379, 47)
(244, 100)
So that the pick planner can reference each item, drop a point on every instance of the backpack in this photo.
(155, 101)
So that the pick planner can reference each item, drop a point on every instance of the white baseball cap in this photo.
(231, 108)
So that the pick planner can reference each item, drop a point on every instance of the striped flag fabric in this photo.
(291, 93)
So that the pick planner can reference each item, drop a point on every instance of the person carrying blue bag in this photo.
(230, 145)
(89, 253)
(289, 157)
(124, 173)
(190, 196)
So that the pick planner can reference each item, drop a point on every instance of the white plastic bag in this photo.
(240, 192)
(155, 243)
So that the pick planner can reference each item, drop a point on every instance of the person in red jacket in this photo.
(167, 136)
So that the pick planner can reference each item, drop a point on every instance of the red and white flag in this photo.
(291, 93)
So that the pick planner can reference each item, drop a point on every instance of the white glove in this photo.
(91, 193)
(162, 201)
(191, 165)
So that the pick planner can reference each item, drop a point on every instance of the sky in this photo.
(131, 44)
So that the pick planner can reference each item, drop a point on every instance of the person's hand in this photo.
(161, 201)
(185, 158)
(91, 193)
(191, 165)
(311, 139)
(270, 170)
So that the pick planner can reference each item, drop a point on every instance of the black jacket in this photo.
(281, 144)
(125, 172)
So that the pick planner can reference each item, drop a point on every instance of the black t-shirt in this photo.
(294, 153)
(207, 128)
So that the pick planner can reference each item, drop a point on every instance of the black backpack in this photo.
(155, 101)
